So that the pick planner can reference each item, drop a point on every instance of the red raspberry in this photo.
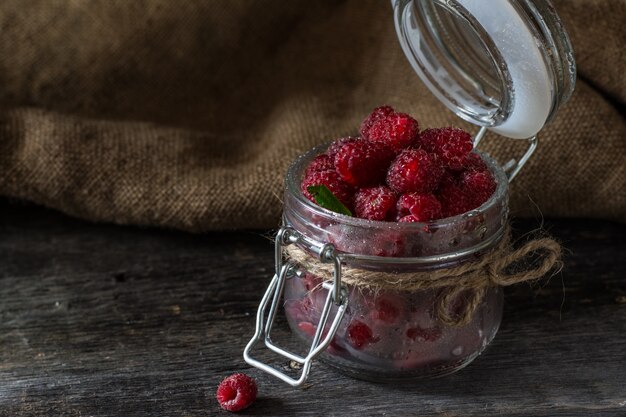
(478, 185)
(454, 200)
(334, 147)
(397, 130)
(423, 207)
(473, 162)
(377, 114)
(388, 309)
(408, 219)
(376, 203)
(320, 163)
(452, 145)
(362, 163)
(359, 334)
(414, 170)
(236, 392)
(330, 179)
(424, 335)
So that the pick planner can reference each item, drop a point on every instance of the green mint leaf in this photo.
(325, 198)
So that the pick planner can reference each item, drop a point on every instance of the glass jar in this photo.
(505, 66)
(393, 334)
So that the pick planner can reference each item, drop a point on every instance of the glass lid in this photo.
(504, 64)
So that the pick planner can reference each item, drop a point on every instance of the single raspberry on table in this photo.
(397, 130)
(341, 190)
(375, 203)
(236, 392)
(359, 334)
(320, 163)
(478, 186)
(362, 163)
(452, 145)
(423, 207)
(377, 114)
(334, 147)
(414, 170)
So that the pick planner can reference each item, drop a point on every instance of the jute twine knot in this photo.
(501, 266)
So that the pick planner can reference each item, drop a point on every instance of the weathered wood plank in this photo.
(102, 320)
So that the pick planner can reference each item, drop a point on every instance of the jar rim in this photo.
(295, 171)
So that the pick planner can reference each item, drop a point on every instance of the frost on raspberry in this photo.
(422, 207)
(334, 147)
(376, 203)
(454, 200)
(377, 114)
(397, 130)
(362, 163)
(452, 145)
(236, 392)
(320, 163)
(414, 170)
(341, 190)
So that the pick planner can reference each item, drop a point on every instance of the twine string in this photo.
(463, 287)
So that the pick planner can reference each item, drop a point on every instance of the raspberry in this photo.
(423, 207)
(478, 186)
(424, 335)
(454, 200)
(408, 219)
(397, 130)
(330, 179)
(387, 309)
(376, 203)
(334, 147)
(320, 163)
(414, 170)
(377, 114)
(359, 334)
(452, 145)
(473, 162)
(236, 392)
(362, 163)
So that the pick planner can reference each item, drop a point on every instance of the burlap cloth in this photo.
(185, 114)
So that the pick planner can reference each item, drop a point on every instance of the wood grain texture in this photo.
(100, 320)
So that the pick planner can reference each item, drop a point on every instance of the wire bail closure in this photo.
(513, 166)
(337, 295)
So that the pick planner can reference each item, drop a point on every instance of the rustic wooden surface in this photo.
(100, 320)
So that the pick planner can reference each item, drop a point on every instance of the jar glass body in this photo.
(390, 334)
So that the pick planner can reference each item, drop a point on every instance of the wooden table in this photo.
(102, 320)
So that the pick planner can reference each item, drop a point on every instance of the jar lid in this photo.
(506, 65)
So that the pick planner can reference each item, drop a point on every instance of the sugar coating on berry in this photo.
(236, 392)
(478, 186)
(362, 163)
(397, 130)
(408, 219)
(423, 207)
(452, 145)
(320, 163)
(332, 149)
(414, 170)
(377, 114)
(332, 181)
(473, 162)
(359, 334)
(375, 203)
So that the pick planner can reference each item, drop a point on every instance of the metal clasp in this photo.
(513, 167)
(336, 295)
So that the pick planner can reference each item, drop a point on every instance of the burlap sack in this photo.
(185, 114)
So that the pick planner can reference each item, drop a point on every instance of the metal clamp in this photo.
(336, 295)
(513, 167)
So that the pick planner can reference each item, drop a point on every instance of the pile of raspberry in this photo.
(394, 172)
